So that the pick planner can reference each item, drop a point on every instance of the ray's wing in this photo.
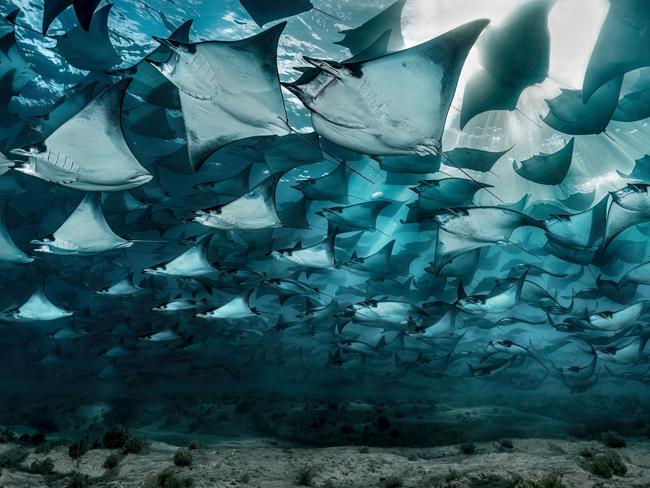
(9, 252)
(514, 56)
(90, 49)
(87, 226)
(91, 147)
(248, 101)
(547, 169)
(194, 260)
(385, 23)
(622, 45)
(569, 114)
(413, 89)
(263, 11)
(475, 159)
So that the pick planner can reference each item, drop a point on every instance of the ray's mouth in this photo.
(330, 80)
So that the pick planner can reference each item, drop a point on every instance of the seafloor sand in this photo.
(264, 463)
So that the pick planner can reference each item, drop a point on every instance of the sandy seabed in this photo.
(270, 464)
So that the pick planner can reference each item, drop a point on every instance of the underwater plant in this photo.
(46, 466)
(245, 405)
(133, 445)
(46, 447)
(552, 480)
(183, 457)
(11, 458)
(586, 452)
(468, 448)
(452, 475)
(78, 480)
(168, 478)
(306, 474)
(37, 439)
(607, 465)
(115, 438)
(244, 478)
(7, 435)
(78, 448)
(506, 444)
(613, 439)
(393, 482)
(383, 423)
(111, 461)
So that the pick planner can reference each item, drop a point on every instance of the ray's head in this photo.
(188, 69)
(319, 78)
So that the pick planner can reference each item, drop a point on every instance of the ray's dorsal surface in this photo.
(332, 187)
(568, 112)
(15, 72)
(85, 231)
(5, 164)
(451, 249)
(635, 104)
(437, 195)
(360, 216)
(621, 46)
(386, 24)
(377, 264)
(90, 49)
(514, 55)
(640, 171)
(88, 152)
(263, 12)
(630, 206)
(454, 192)
(582, 232)
(547, 169)
(411, 163)
(229, 90)
(83, 9)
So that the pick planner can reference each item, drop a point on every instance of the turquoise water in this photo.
(377, 224)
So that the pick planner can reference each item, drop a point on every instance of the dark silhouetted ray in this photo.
(387, 22)
(568, 113)
(547, 169)
(90, 50)
(263, 11)
(622, 45)
(513, 55)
